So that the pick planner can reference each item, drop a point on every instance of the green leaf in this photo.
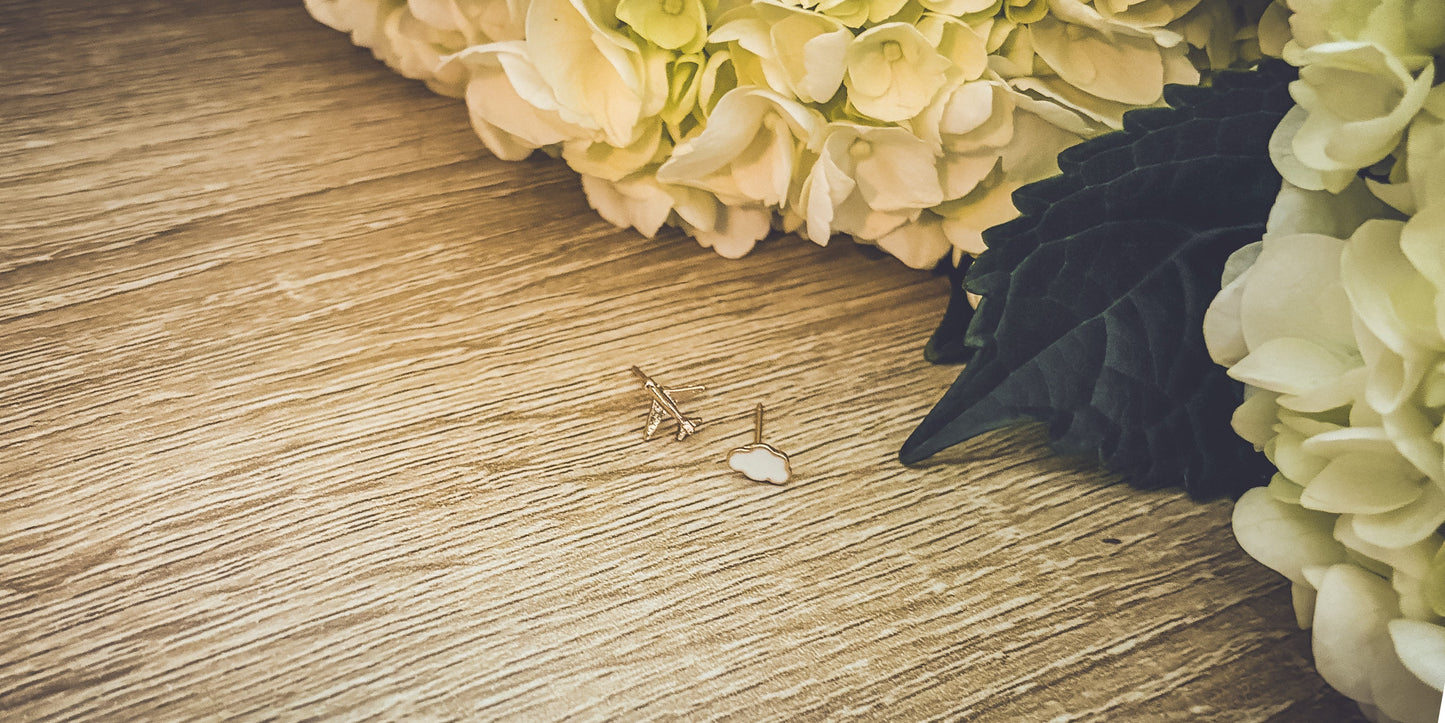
(1094, 299)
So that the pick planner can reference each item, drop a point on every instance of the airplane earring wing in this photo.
(655, 415)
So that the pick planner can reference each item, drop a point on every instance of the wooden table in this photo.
(310, 408)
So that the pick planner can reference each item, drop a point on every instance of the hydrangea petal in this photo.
(1223, 335)
(1121, 68)
(1297, 292)
(1289, 365)
(1254, 419)
(1406, 525)
(1386, 290)
(1349, 439)
(1359, 99)
(1285, 538)
(1414, 438)
(1412, 560)
(1282, 489)
(1365, 483)
(1289, 454)
(1294, 169)
(1342, 390)
(1421, 647)
(898, 172)
(1351, 611)
(638, 202)
(1298, 210)
(1303, 598)
(920, 244)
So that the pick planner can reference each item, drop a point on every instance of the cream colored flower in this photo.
(965, 50)
(509, 104)
(893, 72)
(1122, 67)
(920, 243)
(730, 229)
(749, 152)
(1353, 650)
(604, 160)
(1410, 30)
(672, 24)
(418, 49)
(868, 181)
(1335, 329)
(994, 140)
(790, 50)
(599, 77)
(637, 201)
(1354, 101)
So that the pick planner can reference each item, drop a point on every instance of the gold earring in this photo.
(663, 406)
(758, 461)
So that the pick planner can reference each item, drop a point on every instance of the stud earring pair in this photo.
(758, 461)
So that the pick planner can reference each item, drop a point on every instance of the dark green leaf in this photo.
(1093, 300)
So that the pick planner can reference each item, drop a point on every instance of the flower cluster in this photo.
(1335, 322)
(902, 123)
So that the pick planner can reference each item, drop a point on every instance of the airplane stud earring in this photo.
(664, 406)
(761, 462)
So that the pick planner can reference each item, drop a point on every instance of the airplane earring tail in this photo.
(758, 461)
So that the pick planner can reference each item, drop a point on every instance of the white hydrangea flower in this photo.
(920, 243)
(509, 104)
(604, 160)
(790, 50)
(1336, 322)
(600, 78)
(670, 24)
(638, 201)
(893, 72)
(1354, 101)
(418, 50)
(750, 150)
(1411, 30)
(730, 229)
(1105, 73)
(868, 181)
(994, 139)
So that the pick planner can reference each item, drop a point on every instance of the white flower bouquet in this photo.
(901, 123)
(1335, 322)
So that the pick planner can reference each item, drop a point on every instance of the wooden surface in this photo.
(310, 408)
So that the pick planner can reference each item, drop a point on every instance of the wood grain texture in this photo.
(309, 408)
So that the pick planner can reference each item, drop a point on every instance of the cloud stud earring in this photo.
(663, 407)
(760, 462)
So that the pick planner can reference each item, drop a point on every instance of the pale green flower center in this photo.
(672, 7)
(860, 149)
(892, 51)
